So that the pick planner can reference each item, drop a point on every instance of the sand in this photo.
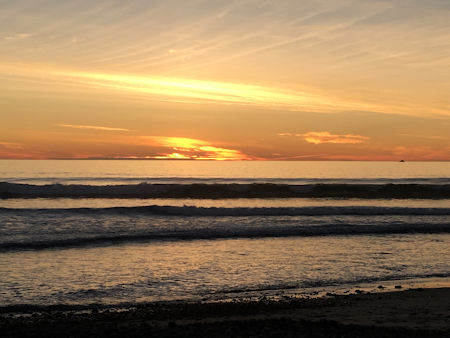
(410, 313)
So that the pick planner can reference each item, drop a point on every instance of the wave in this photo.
(227, 190)
(229, 233)
(244, 211)
(222, 180)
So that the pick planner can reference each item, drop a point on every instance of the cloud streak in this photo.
(224, 92)
(19, 36)
(319, 137)
(10, 145)
(175, 89)
(172, 89)
(79, 126)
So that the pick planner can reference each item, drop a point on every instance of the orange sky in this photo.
(225, 80)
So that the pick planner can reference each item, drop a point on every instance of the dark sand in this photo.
(411, 313)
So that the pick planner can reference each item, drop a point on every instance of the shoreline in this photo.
(419, 312)
(271, 294)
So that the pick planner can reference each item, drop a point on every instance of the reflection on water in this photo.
(39, 265)
(120, 171)
(193, 269)
(70, 203)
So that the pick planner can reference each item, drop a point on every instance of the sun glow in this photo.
(193, 149)
(175, 156)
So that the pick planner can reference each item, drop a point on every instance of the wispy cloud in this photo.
(330, 37)
(225, 92)
(10, 145)
(319, 137)
(175, 89)
(172, 89)
(428, 137)
(414, 153)
(78, 126)
(19, 36)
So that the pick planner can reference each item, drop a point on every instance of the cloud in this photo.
(420, 153)
(78, 126)
(19, 36)
(194, 149)
(203, 91)
(10, 145)
(428, 137)
(174, 89)
(319, 137)
(326, 137)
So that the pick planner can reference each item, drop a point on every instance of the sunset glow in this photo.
(186, 148)
(221, 167)
(229, 80)
(174, 89)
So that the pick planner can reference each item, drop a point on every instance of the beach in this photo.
(410, 313)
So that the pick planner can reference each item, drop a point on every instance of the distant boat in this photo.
(402, 160)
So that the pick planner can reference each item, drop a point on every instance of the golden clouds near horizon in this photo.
(319, 137)
(101, 128)
(193, 149)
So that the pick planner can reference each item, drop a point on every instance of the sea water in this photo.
(114, 232)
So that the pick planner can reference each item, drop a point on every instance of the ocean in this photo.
(82, 232)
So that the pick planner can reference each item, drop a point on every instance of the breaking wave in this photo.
(246, 211)
(108, 180)
(228, 190)
(228, 233)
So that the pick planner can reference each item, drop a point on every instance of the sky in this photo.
(225, 79)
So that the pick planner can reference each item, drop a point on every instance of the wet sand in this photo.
(410, 313)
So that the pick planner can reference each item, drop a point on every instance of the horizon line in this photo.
(212, 160)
